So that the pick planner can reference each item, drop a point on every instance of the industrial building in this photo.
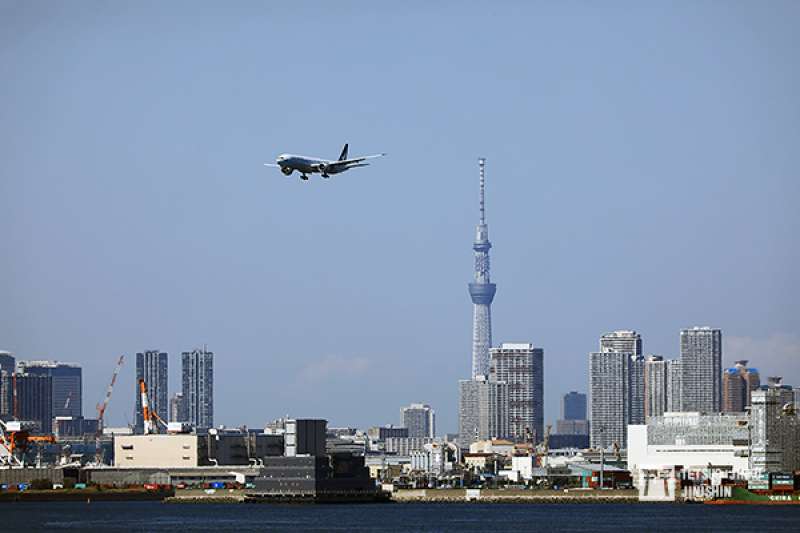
(692, 441)
(315, 478)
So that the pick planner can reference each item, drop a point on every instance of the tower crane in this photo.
(101, 411)
(149, 415)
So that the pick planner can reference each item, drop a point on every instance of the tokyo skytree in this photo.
(482, 292)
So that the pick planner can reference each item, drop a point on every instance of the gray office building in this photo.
(152, 366)
(35, 400)
(674, 386)
(521, 367)
(482, 410)
(573, 406)
(655, 386)
(198, 387)
(701, 363)
(67, 395)
(420, 419)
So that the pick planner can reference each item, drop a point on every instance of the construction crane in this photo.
(15, 437)
(101, 411)
(150, 416)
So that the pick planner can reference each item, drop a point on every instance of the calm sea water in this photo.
(155, 516)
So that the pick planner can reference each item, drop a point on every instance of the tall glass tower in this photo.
(481, 291)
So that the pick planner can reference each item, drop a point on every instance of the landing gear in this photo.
(304, 177)
(326, 176)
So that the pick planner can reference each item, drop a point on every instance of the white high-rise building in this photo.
(610, 390)
(701, 362)
(419, 419)
(482, 410)
(521, 366)
(655, 386)
(627, 341)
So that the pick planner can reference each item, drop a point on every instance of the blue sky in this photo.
(642, 173)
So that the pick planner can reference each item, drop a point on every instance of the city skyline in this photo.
(354, 287)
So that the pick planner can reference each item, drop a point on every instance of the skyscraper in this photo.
(177, 408)
(198, 387)
(7, 365)
(419, 419)
(637, 397)
(573, 406)
(521, 367)
(67, 396)
(616, 374)
(610, 388)
(34, 399)
(481, 291)
(482, 412)
(655, 386)
(674, 386)
(623, 341)
(701, 361)
(738, 382)
(152, 366)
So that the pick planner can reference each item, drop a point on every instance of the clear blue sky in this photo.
(642, 173)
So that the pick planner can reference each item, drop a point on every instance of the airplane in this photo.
(288, 163)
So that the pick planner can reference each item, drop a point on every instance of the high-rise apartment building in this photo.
(521, 367)
(152, 366)
(622, 341)
(655, 386)
(177, 408)
(419, 419)
(609, 377)
(34, 399)
(7, 365)
(482, 291)
(775, 428)
(674, 386)
(67, 395)
(737, 384)
(198, 387)
(616, 374)
(637, 396)
(701, 362)
(483, 410)
(573, 406)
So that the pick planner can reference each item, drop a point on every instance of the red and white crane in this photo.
(150, 416)
(101, 411)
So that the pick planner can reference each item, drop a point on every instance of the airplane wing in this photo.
(271, 165)
(353, 162)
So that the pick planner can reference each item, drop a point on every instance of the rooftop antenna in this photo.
(482, 165)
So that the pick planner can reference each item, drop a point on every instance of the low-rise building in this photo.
(693, 441)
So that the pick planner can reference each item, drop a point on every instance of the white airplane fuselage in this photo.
(305, 164)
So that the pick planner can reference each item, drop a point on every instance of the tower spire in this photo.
(481, 290)
(482, 165)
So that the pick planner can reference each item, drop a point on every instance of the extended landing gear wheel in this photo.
(304, 177)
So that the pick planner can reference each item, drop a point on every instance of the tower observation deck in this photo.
(481, 290)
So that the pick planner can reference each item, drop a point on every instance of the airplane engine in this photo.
(286, 171)
(323, 168)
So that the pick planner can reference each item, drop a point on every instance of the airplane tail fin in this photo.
(344, 153)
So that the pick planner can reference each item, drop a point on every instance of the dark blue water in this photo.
(155, 516)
